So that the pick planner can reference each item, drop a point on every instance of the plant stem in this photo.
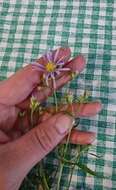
(64, 154)
(76, 160)
(45, 182)
(56, 171)
(77, 157)
(60, 170)
(43, 177)
(60, 175)
(32, 124)
(62, 164)
(55, 100)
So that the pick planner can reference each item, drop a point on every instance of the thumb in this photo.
(32, 147)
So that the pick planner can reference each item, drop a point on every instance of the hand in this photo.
(19, 152)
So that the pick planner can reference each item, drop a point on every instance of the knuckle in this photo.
(43, 139)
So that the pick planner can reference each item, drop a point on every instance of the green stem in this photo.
(43, 177)
(45, 182)
(72, 170)
(79, 152)
(64, 153)
(57, 168)
(62, 164)
(60, 175)
(77, 157)
(55, 100)
(60, 169)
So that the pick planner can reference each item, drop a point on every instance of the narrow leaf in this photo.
(97, 156)
(88, 170)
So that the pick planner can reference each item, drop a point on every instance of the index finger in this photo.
(17, 88)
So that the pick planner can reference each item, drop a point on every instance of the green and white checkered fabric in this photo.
(29, 28)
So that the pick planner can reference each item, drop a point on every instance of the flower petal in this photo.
(46, 79)
(57, 72)
(54, 81)
(49, 56)
(61, 63)
(56, 55)
(38, 65)
(38, 68)
(63, 69)
(45, 58)
(61, 59)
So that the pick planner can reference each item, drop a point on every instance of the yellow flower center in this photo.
(50, 67)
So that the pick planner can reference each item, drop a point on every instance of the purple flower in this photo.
(53, 66)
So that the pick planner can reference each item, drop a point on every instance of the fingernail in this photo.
(63, 123)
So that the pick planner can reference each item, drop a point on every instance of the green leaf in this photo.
(88, 170)
(97, 156)
(84, 98)
(84, 148)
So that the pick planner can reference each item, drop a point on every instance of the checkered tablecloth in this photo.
(30, 27)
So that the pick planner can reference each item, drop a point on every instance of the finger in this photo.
(25, 152)
(83, 110)
(76, 65)
(42, 93)
(81, 137)
(8, 116)
(20, 85)
(4, 138)
(14, 134)
(79, 110)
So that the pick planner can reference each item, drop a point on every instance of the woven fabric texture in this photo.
(29, 28)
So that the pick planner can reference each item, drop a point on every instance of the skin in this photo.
(20, 151)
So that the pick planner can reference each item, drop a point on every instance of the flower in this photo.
(84, 98)
(69, 97)
(34, 104)
(52, 67)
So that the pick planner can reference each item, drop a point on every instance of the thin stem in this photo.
(43, 177)
(60, 170)
(72, 170)
(69, 134)
(56, 171)
(76, 160)
(45, 182)
(77, 157)
(62, 164)
(72, 108)
(32, 123)
(65, 151)
(60, 175)
(21, 115)
(55, 100)
(64, 154)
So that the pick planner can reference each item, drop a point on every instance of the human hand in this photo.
(19, 152)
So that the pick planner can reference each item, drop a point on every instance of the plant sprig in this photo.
(50, 69)
(64, 150)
